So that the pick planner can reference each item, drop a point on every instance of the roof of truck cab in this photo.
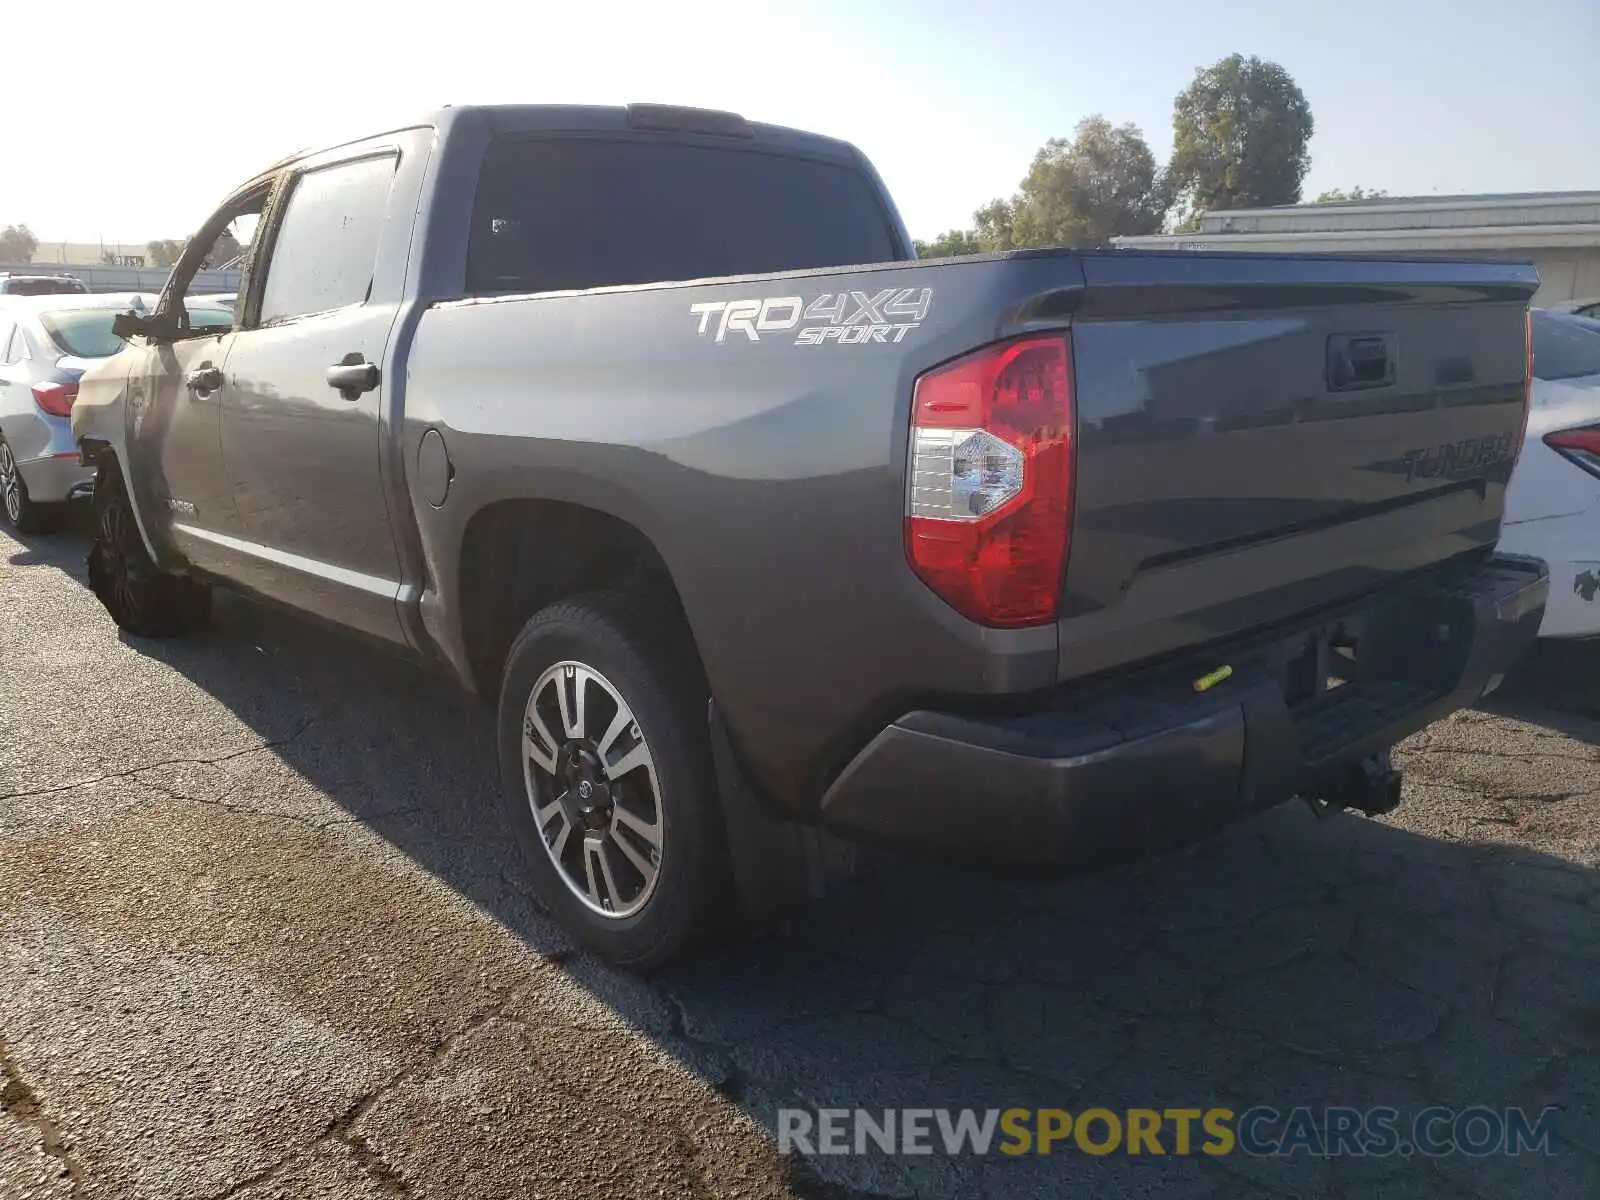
(581, 118)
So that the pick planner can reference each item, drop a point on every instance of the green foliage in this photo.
(1241, 134)
(1080, 191)
(949, 244)
(1339, 195)
(164, 251)
(17, 244)
(994, 222)
(224, 250)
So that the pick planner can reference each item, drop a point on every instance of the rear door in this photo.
(304, 395)
(16, 401)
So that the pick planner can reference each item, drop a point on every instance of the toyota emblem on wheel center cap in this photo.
(585, 789)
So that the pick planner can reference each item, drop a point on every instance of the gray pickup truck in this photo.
(645, 425)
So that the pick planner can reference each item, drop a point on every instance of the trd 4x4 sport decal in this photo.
(848, 318)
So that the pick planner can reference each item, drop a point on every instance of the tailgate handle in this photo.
(1360, 360)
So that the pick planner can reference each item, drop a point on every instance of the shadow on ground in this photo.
(1287, 962)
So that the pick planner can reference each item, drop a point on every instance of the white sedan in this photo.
(1553, 503)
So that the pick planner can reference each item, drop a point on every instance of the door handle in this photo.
(353, 375)
(1361, 360)
(204, 379)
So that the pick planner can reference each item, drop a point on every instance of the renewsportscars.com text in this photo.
(1262, 1131)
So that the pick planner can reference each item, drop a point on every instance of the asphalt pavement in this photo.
(263, 935)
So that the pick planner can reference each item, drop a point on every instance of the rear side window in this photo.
(1565, 347)
(85, 332)
(323, 255)
(553, 214)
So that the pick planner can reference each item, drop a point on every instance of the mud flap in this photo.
(777, 864)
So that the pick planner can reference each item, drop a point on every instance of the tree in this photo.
(1240, 137)
(224, 250)
(1080, 191)
(1339, 195)
(949, 244)
(17, 244)
(164, 251)
(110, 258)
(996, 225)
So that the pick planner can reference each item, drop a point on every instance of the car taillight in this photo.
(55, 398)
(989, 489)
(1581, 447)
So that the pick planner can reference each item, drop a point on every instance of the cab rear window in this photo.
(568, 213)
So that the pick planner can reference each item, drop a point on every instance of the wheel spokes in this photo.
(621, 721)
(605, 839)
(537, 741)
(560, 842)
(572, 706)
(649, 833)
(638, 756)
(641, 864)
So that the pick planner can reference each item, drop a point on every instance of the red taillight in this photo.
(1581, 447)
(55, 398)
(989, 493)
(1586, 441)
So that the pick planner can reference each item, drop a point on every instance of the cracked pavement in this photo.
(262, 935)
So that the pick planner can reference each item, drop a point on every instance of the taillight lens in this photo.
(55, 398)
(1581, 447)
(989, 495)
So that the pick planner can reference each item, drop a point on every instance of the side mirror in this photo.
(126, 324)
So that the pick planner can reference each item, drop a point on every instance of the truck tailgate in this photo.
(1260, 436)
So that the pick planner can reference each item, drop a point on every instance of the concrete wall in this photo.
(1559, 232)
(1413, 212)
(101, 278)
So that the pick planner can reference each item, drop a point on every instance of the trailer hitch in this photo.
(1371, 786)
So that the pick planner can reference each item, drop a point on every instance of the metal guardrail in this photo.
(102, 278)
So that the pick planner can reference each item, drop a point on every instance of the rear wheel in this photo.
(607, 780)
(141, 598)
(17, 509)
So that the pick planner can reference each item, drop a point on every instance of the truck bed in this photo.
(1257, 438)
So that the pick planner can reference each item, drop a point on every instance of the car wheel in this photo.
(17, 509)
(141, 598)
(607, 780)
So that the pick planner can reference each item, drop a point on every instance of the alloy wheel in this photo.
(10, 485)
(115, 531)
(592, 786)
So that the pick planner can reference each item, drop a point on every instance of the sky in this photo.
(949, 98)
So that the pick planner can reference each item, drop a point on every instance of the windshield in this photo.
(1564, 346)
(84, 332)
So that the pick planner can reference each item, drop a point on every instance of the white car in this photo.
(1580, 308)
(1553, 503)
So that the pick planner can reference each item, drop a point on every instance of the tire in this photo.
(141, 598)
(17, 509)
(596, 880)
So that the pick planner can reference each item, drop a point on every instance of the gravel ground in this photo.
(262, 935)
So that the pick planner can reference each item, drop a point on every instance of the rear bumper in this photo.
(1151, 762)
(1570, 545)
(56, 478)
